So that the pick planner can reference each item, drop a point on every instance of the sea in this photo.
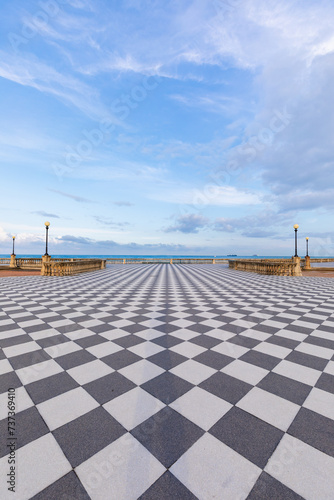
(169, 256)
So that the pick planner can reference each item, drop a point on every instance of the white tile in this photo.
(302, 468)
(133, 407)
(184, 334)
(151, 323)
(146, 349)
(61, 322)
(213, 323)
(22, 401)
(268, 407)
(39, 464)
(210, 469)
(91, 323)
(114, 334)
(315, 350)
(201, 407)
(303, 324)
(256, 334)
(79, 334)
(220, 334)
(66, 407)
(229, 349)
(192, 371)
(329, 368)
(16, 350)
(188, 349)
(323, 335)
(141, 371)
(321, 402)
(34, 322)
(89, 371)
(121, 323)
(61, 349)
(11, 333)
(297, 372)
(38, 371)
(123, 470)
(273, 350)
(245, 371)
(5, 366)
(101, 350)
(43, 334)
(244, 324)
(288, 334)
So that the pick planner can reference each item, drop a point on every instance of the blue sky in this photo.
(177, 126)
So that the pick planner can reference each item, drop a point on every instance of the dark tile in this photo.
(88, 434)
(253, 438)
(37, 328)
(167, 359)
(101, 328)
(69, 328)
(167, 387)
(66, 488)
(267, 329)
(28, 359)
(167, 435)
(75, 359)
(49, 387)
(29, 426)
(329, 344)
(167, 487)
(166, 328)
(199, 328)
(128, 341)
(228, 388)
(90, 341)
(282, 341)
(51, 341)
(285, 387)
(268, 488)
(19, 339)
(121, 359)
(205, 341)
(9, 380)
(167, 341)
(314, 429)
(106, 388)
(326, 383)
(233, 328)
(135, 328)
(244, 341)
(213, 359)
(307, 360)
(260, 359)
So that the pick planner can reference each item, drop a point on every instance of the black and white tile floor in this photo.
(169, 382)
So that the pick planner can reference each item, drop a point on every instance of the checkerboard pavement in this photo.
(169, 381)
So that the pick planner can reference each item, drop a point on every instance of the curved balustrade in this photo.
(276, 267)
(73, 266)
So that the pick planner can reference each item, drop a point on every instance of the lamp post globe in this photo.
(47, 225)
(296, 226)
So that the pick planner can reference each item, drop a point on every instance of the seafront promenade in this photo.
(168, 381)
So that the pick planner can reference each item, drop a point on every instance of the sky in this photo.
(188, 127)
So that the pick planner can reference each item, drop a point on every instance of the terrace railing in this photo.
(282, 267)
(71, 267)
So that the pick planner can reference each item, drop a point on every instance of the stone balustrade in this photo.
(278, 267)
(71, 267)
(165, 260)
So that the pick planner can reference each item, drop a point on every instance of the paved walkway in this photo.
(168, 382)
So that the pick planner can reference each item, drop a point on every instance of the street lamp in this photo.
(47, 224)
(13, 245)
(307, 246)
(296, 229)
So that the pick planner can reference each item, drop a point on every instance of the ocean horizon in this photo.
(170, 256)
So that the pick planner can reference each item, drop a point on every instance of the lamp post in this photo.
(47, 224)
(13, 245)
(296, 230)
(307, 246)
